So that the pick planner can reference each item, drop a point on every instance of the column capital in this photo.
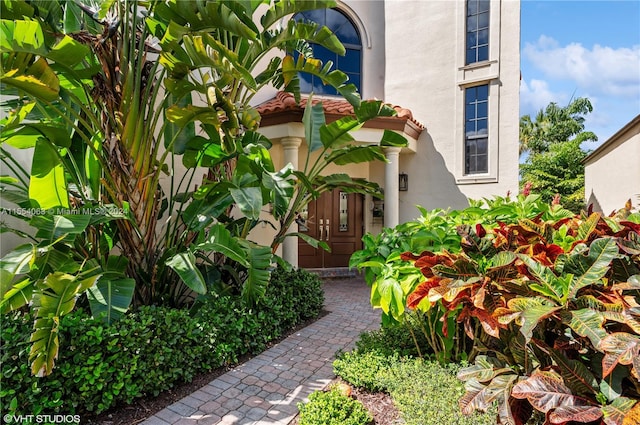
(291, 142)
(392, 150)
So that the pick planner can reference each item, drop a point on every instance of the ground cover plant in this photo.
(332, 407)
(425, 392)
(104, 365)
(549, 301)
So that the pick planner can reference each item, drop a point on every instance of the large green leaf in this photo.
(371, 109)
(611, 385)
(479, 396)
(209, 16)
(22, 36)
(56, 297)
(391, 138)
(388, 295)
(588, 323)
(16, 262)
(48, 186)
(259, 271)
(587, 227)
(220, 240)
(68, 52)
(575, 374)
(281, 189)
(546, 282)
(18, 294)
(39, 80)
(531, 312)
(109, 299)
(177, 137)
(484, 369)
(591, 268)
(336, 134)
(356, 154)
(281, 9)
(53, 227)
(311, 240)
(313, 120)
(249, 200)
(184, 264)
(614, 413)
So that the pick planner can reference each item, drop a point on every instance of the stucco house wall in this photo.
(612, 172)
(426, 72)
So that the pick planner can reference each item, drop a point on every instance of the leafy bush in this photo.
(333, 408)
(557, 304)
(146, 352)
(364, 369)
(392, 278)
(427, 393)
(393, 339)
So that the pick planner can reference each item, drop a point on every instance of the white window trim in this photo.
(491, 176)
(477, 74)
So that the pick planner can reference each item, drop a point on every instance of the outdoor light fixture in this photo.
(403, 182)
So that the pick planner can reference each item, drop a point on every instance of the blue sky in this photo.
(582, 49)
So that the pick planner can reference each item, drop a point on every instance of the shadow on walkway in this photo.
(267, 388)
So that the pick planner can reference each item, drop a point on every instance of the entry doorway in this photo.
(335, 218)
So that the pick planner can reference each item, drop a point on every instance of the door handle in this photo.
(327, 230)
(320, 229)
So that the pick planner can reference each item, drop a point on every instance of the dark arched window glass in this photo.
(350, 63)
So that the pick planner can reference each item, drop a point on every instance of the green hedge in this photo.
(332, 408)
(148, 351)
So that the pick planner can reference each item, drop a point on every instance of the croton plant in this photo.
(554, 311)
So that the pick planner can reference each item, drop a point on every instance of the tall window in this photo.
(477, 31)
(350, 63)
(476, 152)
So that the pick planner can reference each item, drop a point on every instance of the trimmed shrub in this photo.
(147, 351)
(394, 338)
(427, 393)
(332, 408)
(365, 369)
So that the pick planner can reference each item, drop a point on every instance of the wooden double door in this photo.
(336, 218)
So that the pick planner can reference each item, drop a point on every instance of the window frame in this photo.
(349, 47)
(475, 119)
(476, 47)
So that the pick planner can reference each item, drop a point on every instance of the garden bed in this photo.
(144, 408)
(126, 365)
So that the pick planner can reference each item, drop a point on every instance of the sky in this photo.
(582, 48)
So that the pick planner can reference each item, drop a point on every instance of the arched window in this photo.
(350, 63)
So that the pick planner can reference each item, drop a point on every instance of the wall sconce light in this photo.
(403, 182)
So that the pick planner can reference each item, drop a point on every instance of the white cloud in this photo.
(536, 95)
(600, 70)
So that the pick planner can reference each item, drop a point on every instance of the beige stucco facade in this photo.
(612, 172)
(413, 55)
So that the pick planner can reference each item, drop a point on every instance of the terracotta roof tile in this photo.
(284, 102)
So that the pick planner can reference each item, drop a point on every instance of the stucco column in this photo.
(391, 190)
(291, 146)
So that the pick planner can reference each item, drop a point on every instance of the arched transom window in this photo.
(350, 63)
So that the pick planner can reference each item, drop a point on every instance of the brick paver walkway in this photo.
(267, 388)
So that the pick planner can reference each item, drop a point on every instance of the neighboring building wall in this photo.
(426, 73)
(612, 174)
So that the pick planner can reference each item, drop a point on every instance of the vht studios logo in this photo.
(41, 419)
